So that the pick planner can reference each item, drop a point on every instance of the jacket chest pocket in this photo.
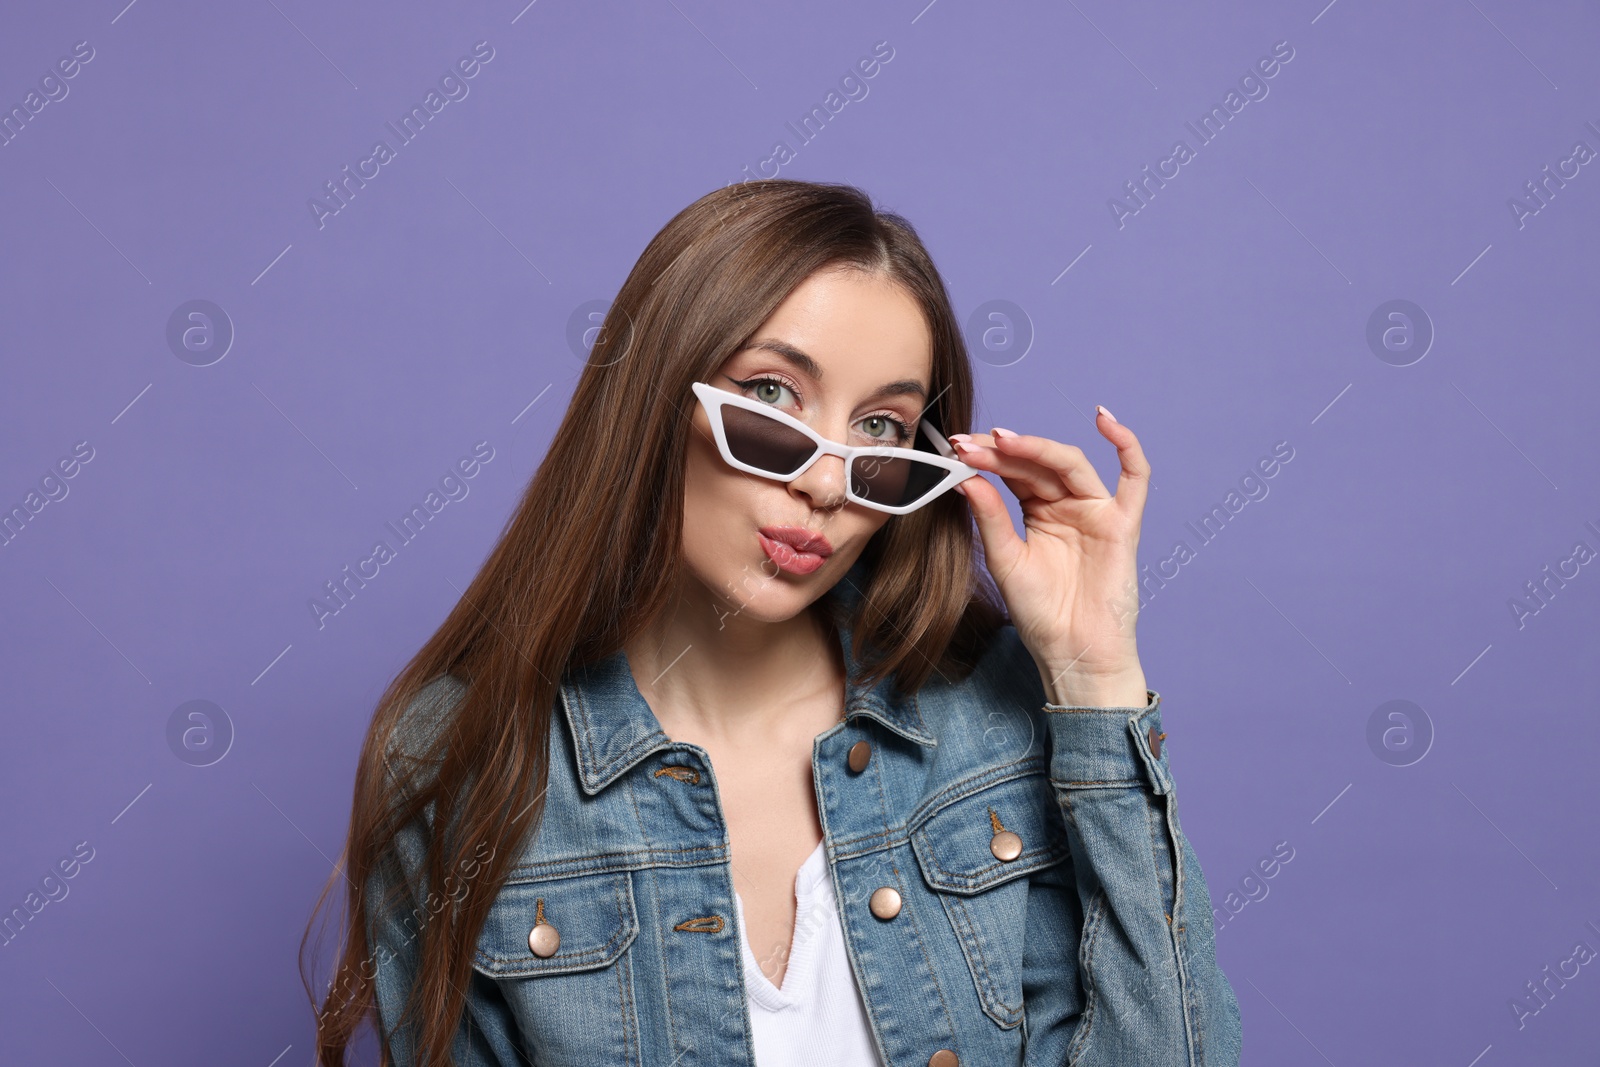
(974, 853)
(558, 950)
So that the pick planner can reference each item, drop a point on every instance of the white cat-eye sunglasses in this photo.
(756, 437)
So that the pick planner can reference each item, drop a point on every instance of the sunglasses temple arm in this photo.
(938, 440)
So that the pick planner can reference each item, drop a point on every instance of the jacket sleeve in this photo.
(487, 1034)
(1149, 990)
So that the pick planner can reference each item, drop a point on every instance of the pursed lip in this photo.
(800, 539)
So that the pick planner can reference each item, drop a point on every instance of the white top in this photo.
(817, 1017)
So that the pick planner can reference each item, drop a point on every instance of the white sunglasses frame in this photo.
(956, 471)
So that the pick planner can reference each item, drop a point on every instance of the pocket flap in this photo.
(593, 915)
(954, 845)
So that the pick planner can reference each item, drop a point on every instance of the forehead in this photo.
(861, 330)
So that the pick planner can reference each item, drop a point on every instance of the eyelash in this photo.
(903, 432)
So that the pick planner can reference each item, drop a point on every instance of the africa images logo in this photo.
(1253, 84)
(453, 87)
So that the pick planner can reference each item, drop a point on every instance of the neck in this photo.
(708, 671)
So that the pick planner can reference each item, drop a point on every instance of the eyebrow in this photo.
(806, 365)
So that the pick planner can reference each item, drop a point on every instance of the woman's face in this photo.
(849, 355)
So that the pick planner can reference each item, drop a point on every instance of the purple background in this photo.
(1229, 314)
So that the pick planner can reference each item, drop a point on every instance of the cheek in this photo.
(710, 497)
(723, 507)
(718, 517)
(720, 550)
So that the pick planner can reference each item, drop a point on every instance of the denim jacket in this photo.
(1090, 944)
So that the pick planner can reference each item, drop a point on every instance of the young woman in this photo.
(732, 754)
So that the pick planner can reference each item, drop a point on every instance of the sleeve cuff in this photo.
(1098, 748)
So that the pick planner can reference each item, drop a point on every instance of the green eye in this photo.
(768, 391)
(885, 428)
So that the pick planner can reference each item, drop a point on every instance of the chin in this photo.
(754, 595)
(757, 591)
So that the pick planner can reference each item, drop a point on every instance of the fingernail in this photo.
(966, 446)
(998, 432)
(959, 437)
(960, 490)
(1105, 412)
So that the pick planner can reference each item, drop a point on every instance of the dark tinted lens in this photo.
(893, 481)
(765, 443)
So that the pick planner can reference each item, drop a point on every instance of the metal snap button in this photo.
(1006, 846)
(860, 756)
(544, 940)
(944, 1058)
(885, 902)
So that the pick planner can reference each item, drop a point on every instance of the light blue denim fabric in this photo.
(1093, 947)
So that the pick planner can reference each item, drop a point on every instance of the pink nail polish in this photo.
(998, 432)
(959, 437)
(1105, 412)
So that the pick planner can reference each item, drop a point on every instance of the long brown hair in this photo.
(554, 593)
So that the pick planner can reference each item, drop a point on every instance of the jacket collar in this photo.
(613, 727)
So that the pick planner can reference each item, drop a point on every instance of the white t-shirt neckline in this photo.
(813, 892)
(818, 1016)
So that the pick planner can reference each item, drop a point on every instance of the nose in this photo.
(823, 484)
